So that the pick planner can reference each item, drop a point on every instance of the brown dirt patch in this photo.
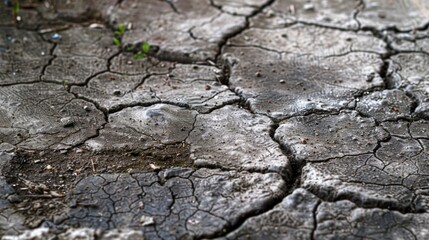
(52, 174)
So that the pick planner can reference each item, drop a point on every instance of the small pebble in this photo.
(96, 25)
(309, 7)
(9, 38)
(56, 36)
(258, 74)
(282, 81)
(146, 220)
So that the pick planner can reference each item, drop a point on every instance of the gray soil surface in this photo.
(245, 119)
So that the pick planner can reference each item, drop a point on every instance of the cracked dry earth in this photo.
(270, 119)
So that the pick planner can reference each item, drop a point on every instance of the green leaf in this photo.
(65, 84)
(117, 42)
(139, 55)
(15, 9)
(121, 28)
(117, 33)
(146, 47)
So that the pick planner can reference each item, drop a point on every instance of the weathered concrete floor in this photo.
(273, 119)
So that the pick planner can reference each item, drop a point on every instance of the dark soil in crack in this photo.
(43, 180)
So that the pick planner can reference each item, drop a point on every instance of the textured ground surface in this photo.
(271, 119)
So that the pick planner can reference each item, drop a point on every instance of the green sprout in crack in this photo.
(65, 84)
(117, 41)
(15, 9)
(144, 49)
(121, 30)
(118, 35)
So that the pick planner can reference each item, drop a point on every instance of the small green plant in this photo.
(15, 9)
(121, 30)
(144, 49)
(65, 84)
(118, 35)
(117, 41)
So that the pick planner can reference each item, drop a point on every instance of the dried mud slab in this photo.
(193, 86)
(322, 72)
(232, 138)
(302, 215)
(401, 15)
(144, 127)
(23, 56)
(321, 137)
(308, 40)
(419, 129)
(74, 70)
(303, 85)
(73, 11)
(412, 75)
(44, 116)
(344, 219)
(351, 158)
(395, 177)
(397, 128)
(385, 105)
(293, 218)
(86, 42)
(184, 31)
(198, 87)
(112, 91)
(125, 64)
(336, 13)
(79, 54)
(35, 15)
